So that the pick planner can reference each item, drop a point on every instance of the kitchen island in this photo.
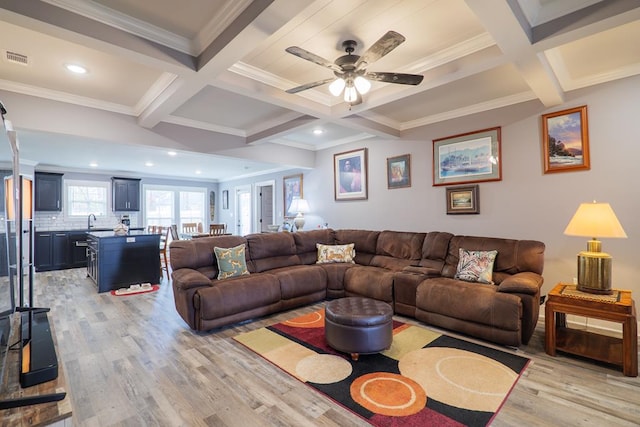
(118, 261)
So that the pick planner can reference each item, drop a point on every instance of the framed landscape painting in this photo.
(399, 171)
(292, 188)
(565, 140)
(350, 175)
(463, 200)
(468, 157)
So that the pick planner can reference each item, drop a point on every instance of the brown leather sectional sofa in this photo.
(414, 272)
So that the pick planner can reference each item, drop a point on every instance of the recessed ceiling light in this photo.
(318, 131)
(148, 164)
(75, 68)
(198, 172)
(172, 153)
(93, 164)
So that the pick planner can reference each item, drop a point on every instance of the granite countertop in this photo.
(110, 233)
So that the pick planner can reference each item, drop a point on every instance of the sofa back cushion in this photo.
(514, 256)
(435, 249)
(271, 250)
(197, 254)
(397, 249)
(365, 243)
(306, 243)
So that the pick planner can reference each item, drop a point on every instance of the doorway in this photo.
(265, 205)
(243, 210)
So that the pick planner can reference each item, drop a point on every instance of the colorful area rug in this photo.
(424, 379)
(135, 289)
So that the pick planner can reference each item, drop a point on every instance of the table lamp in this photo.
(594, 266)
(299, 206)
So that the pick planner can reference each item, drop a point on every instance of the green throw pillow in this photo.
(476, 266)
(231, 262)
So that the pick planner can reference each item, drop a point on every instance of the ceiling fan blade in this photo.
(309, 85)
(399, 78)
(312, 57)
(384, 45)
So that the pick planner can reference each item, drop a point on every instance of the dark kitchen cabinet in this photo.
(58, 250)
(48, 191)
(126, 194)
(77, 249)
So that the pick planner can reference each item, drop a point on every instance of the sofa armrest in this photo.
(188, 278)
(425, 271)
(522, 283)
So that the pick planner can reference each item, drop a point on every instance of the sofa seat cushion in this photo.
(236, 295)
(335, 278)
(474, 302)
(299, 280)
(371, 282)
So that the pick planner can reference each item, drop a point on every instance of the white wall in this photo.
(526, 204)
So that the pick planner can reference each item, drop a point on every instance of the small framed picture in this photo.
(350, 175)
(463, 200)
(565, 140)
(399, 171)
(225, 199)
(292, 188)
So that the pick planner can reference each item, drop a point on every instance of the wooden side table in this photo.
(565, 299)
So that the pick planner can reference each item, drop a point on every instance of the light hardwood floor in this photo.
(132, 361)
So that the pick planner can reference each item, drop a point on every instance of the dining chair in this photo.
(165, 234)
(174, 232)
(217, 229)
(190, 227)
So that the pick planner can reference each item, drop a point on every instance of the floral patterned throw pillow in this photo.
(476, 266)
(336, 253)
(231, 262)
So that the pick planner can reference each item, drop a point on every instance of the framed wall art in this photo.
(399, 171)
(463, 200)
(292, 188)
(225, 199)
(350, 175)
(466, 158)
(565, 140)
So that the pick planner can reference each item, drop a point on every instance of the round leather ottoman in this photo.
(358, 325)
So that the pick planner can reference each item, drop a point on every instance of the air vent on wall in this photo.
(16, 58)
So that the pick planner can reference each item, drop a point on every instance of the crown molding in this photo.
(113, 18)
(470, 109)
(181, 121)
(223, 18)
(156, 89)
(55, 95)
(450, 54)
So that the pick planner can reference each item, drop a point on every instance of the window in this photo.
(166, 205)
(86, 197)
(159, 207)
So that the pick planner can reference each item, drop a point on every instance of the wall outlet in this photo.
(575, 280)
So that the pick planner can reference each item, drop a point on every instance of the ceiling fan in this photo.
(350, 70)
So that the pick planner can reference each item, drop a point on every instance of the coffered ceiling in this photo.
(207, 78)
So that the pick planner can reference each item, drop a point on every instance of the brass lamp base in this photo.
(594, 272)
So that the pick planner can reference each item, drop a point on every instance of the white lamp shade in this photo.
(595, 220)
(362, 85)
(299, 206)
(337, 86)
(350, 94)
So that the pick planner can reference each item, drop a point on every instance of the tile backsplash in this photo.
(47, 221)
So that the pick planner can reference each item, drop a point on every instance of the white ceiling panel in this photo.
(207, 78)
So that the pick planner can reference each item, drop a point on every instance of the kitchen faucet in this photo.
(89, 221)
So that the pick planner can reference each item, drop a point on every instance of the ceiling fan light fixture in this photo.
(337, 86)
(350, 94)
(362, 85)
